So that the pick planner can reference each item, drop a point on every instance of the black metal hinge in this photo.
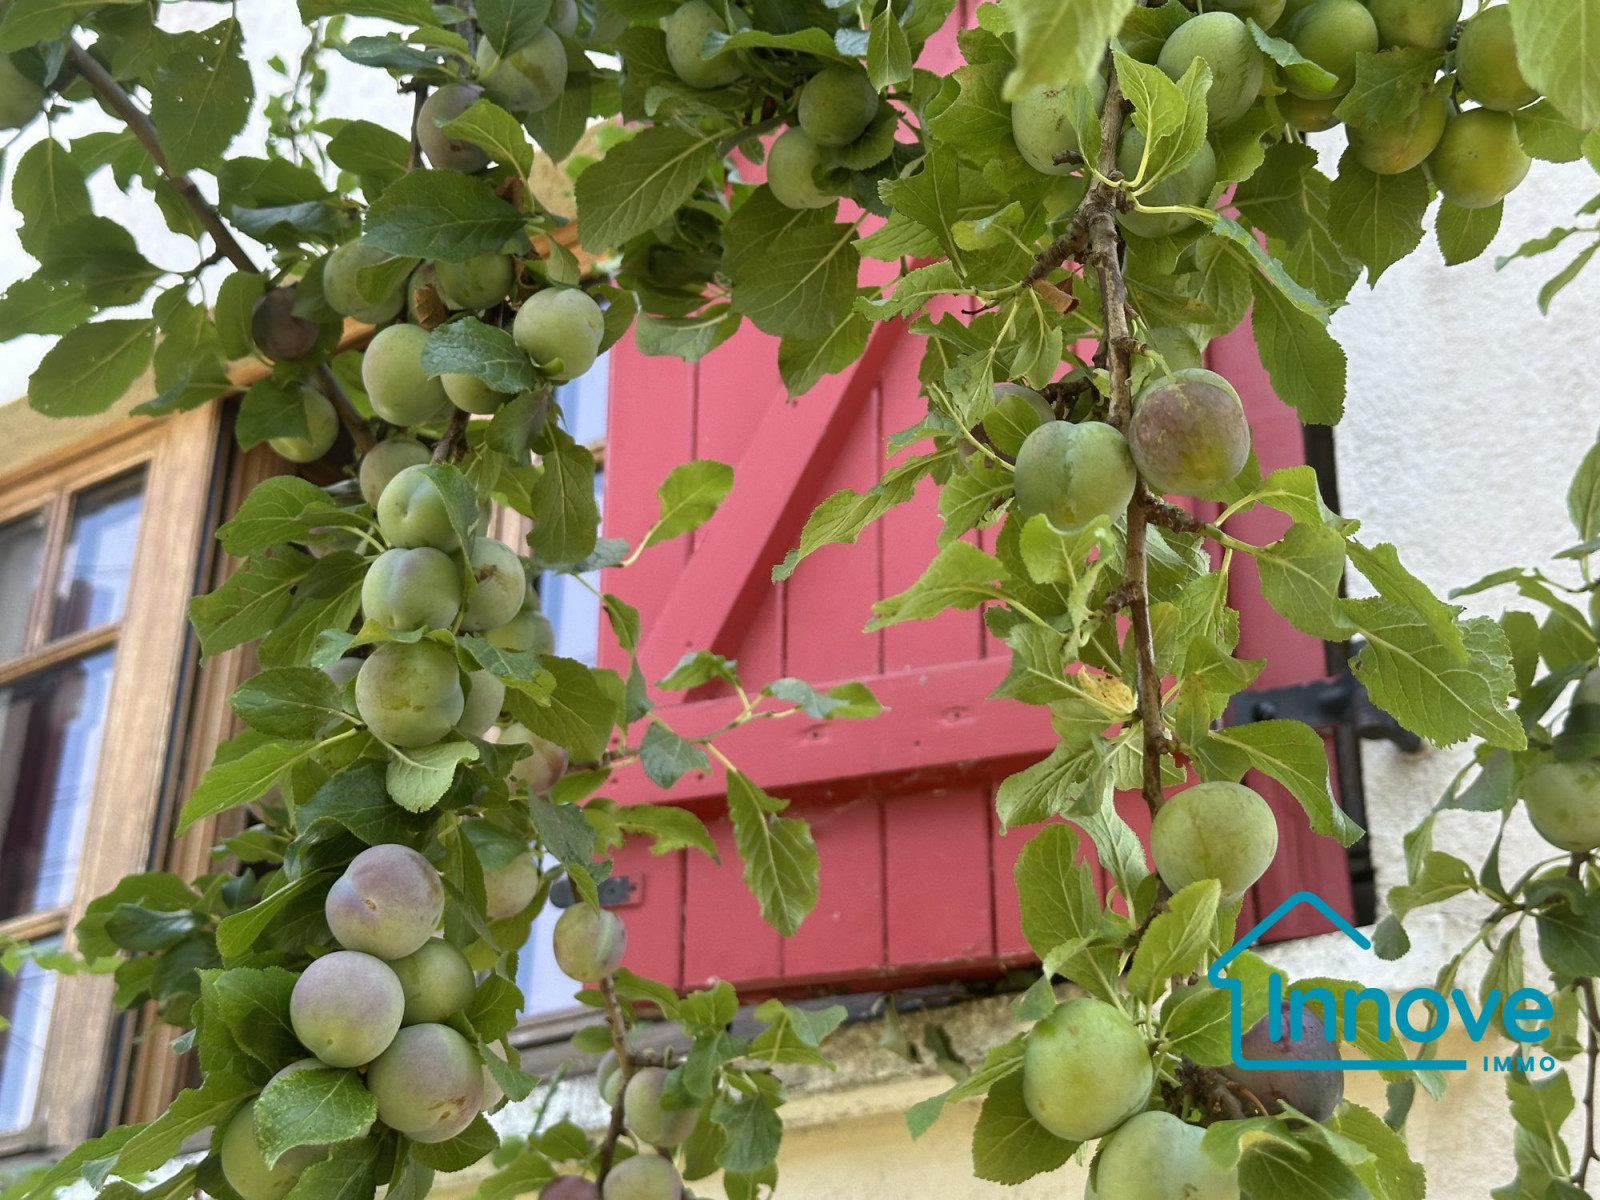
(614, 892)
(1323, 704)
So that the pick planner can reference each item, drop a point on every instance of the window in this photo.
(99, 554)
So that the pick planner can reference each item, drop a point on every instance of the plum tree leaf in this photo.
(1008, 1145)
(1306, 365)
(1558, 49)
(1292, 753)
(1377, 219)
(467, 346)
(1061, 45)
(1056, 891)
(92, 367)
(441, 214)
(312, 1107)
(960, 576)
(1177, 940)
(793, 270)
(565, 517)
(690, 496)
(1465, 233)
(640, 182)
(202, 95)
(779, 855)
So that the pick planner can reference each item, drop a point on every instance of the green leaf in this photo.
(669, 827)
(510, 24)
(28, 22)
(1000, 1062)
(793, 1035)
(961, 576)
(640, 183)
(841, 518)
(1465, 233)
(1056, 891)
(1172, 116)
(1301, 575)
(1382, 568)
(254, 1004)
(1196, 1022)
(1307, 1171)
(195, 1109)
(779, 855)
(1061, 45)
(793, 270)
(202, 95)
(690, 495)
(1376, 219)
(350, 1174)
(485, 124)
(1389, 86)
(48, 189)
(579, 714)
(1429, 690)
(274, 512)
(1071, 781)
(250, 602)
(441, 214)
(92, 367)
(888, 50)
(289, 702)
(1292, 753)
(369, 150)
(565, 519)
(1008, 1145)
(1306, 365)
(312, 1108)
(472, 1145)
(666, 757)
(1177, 940)
(1558, 49)
(417, 779)
(466, 346)
(754, 1133)
(1296, 66)
(328, 598)
(240, 780)
(240, 931)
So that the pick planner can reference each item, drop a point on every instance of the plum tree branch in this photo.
(619, 1044)
(115, 97)
(445, 449)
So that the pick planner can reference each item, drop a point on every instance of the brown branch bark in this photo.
(447, 446)
(115, 97)
(619, 1043)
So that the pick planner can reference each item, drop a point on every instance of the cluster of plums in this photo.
(589, 944)
(1188, 436)
(381, 1004)
(1472, 154)
(1088, 1071)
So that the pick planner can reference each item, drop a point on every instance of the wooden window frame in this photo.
(127, 811)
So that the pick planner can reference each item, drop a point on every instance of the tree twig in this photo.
(454, 432)
(1592, 1042)
(115, 97)
(619, 1044)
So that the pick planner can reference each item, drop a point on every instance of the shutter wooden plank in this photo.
(654, 916)
(844, 937)
(724, 936)
(776, 482)
(940, 898)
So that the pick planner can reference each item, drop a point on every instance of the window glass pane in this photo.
(21, 547)
(25, 1003)
(50, 727)
(93, 588)
(545, 989)
(573, 609)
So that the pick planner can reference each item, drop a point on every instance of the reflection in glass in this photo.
(93, 587)
(50, 727)
(25, 1003)
(21, 547)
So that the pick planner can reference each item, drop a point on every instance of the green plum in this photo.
(1190, 187)
(477, 283)
(443, 151)
(529, 79)
(386, 460)
(643, 1177)
(1309, 116)
(276, 331)
(1396, 149)
(589, 942)
(1332, 34)
(836, 105)
(485, 697)
(322, 422)
(792, 163)
(530, 629)
(1486, 62)
(1189, 434)
(387, 903)
(245, 1167)
(1425, 23)
(437, 980)
(410, 695)
(541, 769)
(412, 589)
(1223, 42)
(1563, 802)
(412, 511)
(400, 391)
(1218, 830)
(511, 888)
(1074, 473)
(1479, 161)
(1041, 124)
(686, 30)
(471, 394)
(647, 1118)
(1264, 13)
(502, 585)
(1156, 1156)
(428, 1083)
(344, 296)
(346, 1008)
(560, 324)
(1085, 1070)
